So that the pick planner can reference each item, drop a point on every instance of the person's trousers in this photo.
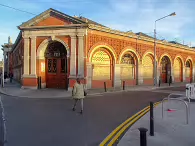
(75, 103)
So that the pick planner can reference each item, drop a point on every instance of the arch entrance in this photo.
(165, 69)
(188, 70)
(56, 65)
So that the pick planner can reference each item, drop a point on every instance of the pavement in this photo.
(14, 89)
(171, 130)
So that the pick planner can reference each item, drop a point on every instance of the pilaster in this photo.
(193, 73)
(33, 56)
(158, 73)
(73, 57)
(81, 56)
(172, 73)
(140, 73)
(184, 74)
(89, 75)
(26, 56)
(117, 77)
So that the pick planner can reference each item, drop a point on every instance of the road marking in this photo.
(116, 137)
(116, 133)
(119, 127)
(4, 121)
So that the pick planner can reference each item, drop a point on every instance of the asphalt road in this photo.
(51, 122)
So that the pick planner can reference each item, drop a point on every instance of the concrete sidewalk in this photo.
(171, 130)
(14, 89)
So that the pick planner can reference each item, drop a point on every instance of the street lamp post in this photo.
(155, 63)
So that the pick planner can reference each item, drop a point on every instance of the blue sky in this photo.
(124, 15)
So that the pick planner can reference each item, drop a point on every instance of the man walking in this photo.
(78, 94)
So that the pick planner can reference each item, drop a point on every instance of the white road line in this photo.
(4, 123)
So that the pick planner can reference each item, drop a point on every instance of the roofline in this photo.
(49, 27)
(17, 41)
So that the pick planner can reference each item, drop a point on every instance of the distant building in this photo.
(7, 47)
(60, 48)
(1, 66)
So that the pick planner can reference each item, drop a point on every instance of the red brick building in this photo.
(60, 48)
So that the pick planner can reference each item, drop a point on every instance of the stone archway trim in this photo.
(148, 53)
(42, 47)
(125, 51)
(191, 60)
(165, 54)
(113, 54)
(181, 59)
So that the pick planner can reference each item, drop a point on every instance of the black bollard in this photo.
(143, 140)
(123, 85)
(37, 82)
(105, 87)
(40, 82)
(159, 83)
(67, 84)
(169, 80)
(151, 118)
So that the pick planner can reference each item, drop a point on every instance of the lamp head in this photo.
(173, 14)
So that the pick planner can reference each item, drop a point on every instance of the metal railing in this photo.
(186, 104)
(181, 95)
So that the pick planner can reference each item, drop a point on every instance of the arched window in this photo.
(147, 67)
(101, 65)
(127, 59)
(127, 66)
(177, 68)
(55, 49)
(188, 64)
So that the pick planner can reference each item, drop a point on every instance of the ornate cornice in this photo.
(133, 35)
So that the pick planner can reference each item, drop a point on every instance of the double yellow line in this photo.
(116, 133)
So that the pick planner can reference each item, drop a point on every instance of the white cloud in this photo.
(140, 16)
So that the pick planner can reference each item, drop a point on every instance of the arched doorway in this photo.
(178, 70)
(148, 69)
(128, 68)
(188, 70)
(56, 65)
(165, 69)
(102, 62)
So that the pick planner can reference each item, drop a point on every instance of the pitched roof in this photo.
(86, 20)
(174, 42)
(52, 12)
(47, 13)
(144, 35)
